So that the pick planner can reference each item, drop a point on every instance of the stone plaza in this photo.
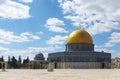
(60, 74)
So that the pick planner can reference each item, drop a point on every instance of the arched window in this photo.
(83, 48)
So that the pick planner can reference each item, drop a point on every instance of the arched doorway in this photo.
(55, 65)
(103, 65)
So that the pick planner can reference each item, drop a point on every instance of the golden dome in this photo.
(79, 36)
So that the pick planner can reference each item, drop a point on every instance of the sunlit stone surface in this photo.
(60, 74)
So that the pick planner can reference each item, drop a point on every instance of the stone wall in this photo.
(82, 65)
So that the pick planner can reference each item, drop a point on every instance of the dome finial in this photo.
(79, 26)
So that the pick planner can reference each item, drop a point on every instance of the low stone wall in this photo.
(82, 65)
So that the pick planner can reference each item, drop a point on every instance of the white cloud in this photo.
(41, 49)
(97, 16)
(13, 10)
(3, 49)
(13, 52)
(113, 39)
(103, 48)
(26, 1)
(29, 51)
(101, 28)
(39, 32)
(4, 42)
(35, 37)
(57, 29)
(117, 53)
(55, 25)
(6, 37)
(27, 35)
(55, 21)
(58, 39)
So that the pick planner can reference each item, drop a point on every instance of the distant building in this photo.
(116, 62)
(79, 53)
(38, 62)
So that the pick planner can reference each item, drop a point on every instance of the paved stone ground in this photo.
(60, 74)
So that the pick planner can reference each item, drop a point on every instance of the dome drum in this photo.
(79, 47)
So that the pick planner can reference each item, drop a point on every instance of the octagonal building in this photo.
(80, 54)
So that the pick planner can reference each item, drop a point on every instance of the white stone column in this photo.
(50, 67)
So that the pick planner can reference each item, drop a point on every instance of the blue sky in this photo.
(28, 27)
